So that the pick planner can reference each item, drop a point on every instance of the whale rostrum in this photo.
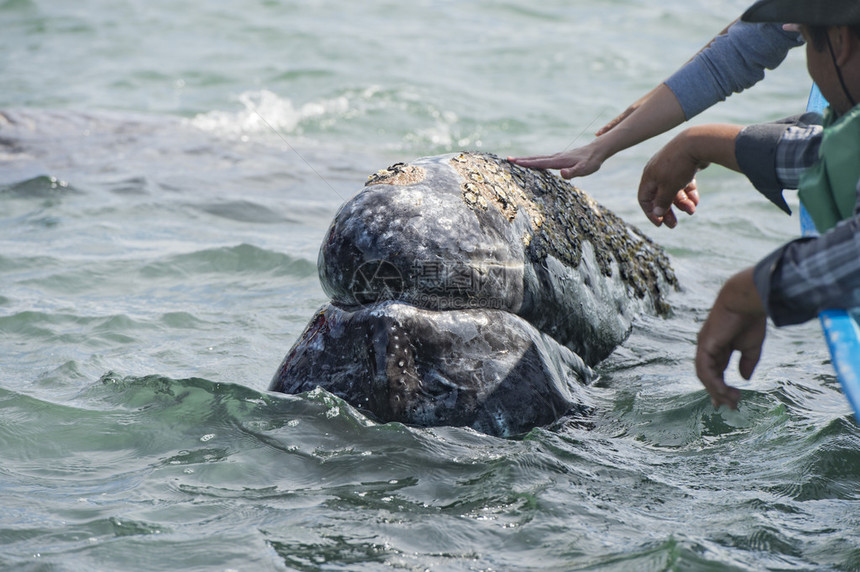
(466, 290)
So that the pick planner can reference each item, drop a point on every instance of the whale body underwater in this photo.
(468, 291)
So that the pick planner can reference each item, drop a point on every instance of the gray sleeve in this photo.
(733, 62)
(773, 155)
(808, 275)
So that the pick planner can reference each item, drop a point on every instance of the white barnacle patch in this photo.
(398, 174)
(472, 196)
(486, 182)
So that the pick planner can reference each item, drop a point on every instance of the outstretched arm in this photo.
(664, 123)
(656, 112)
(732, 61)
(669, 177)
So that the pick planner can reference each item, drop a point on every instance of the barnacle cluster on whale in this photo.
(560, 215)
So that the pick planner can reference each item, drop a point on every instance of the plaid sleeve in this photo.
(773, 155)
(809, 275)
(796, 150)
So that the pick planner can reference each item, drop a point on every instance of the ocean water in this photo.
(167, 172)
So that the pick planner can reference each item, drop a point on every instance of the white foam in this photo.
(265, 110)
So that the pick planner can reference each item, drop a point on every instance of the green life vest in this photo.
(828, 189)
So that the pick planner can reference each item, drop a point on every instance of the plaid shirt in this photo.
(807, 275)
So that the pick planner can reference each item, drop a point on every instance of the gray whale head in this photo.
(466, 290)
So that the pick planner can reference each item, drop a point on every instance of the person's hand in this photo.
(737, 322)
(654, 113)
(588, 159)
(578, 162)
(669, 178)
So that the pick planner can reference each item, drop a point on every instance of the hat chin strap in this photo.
(839, 72)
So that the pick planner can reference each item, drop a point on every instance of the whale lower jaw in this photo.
(486, 369)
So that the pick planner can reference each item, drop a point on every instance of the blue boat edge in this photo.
(840, 327)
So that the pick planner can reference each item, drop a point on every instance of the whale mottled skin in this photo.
(468, 291)
(487, 369)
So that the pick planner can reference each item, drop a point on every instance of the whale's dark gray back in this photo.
(474, 231)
